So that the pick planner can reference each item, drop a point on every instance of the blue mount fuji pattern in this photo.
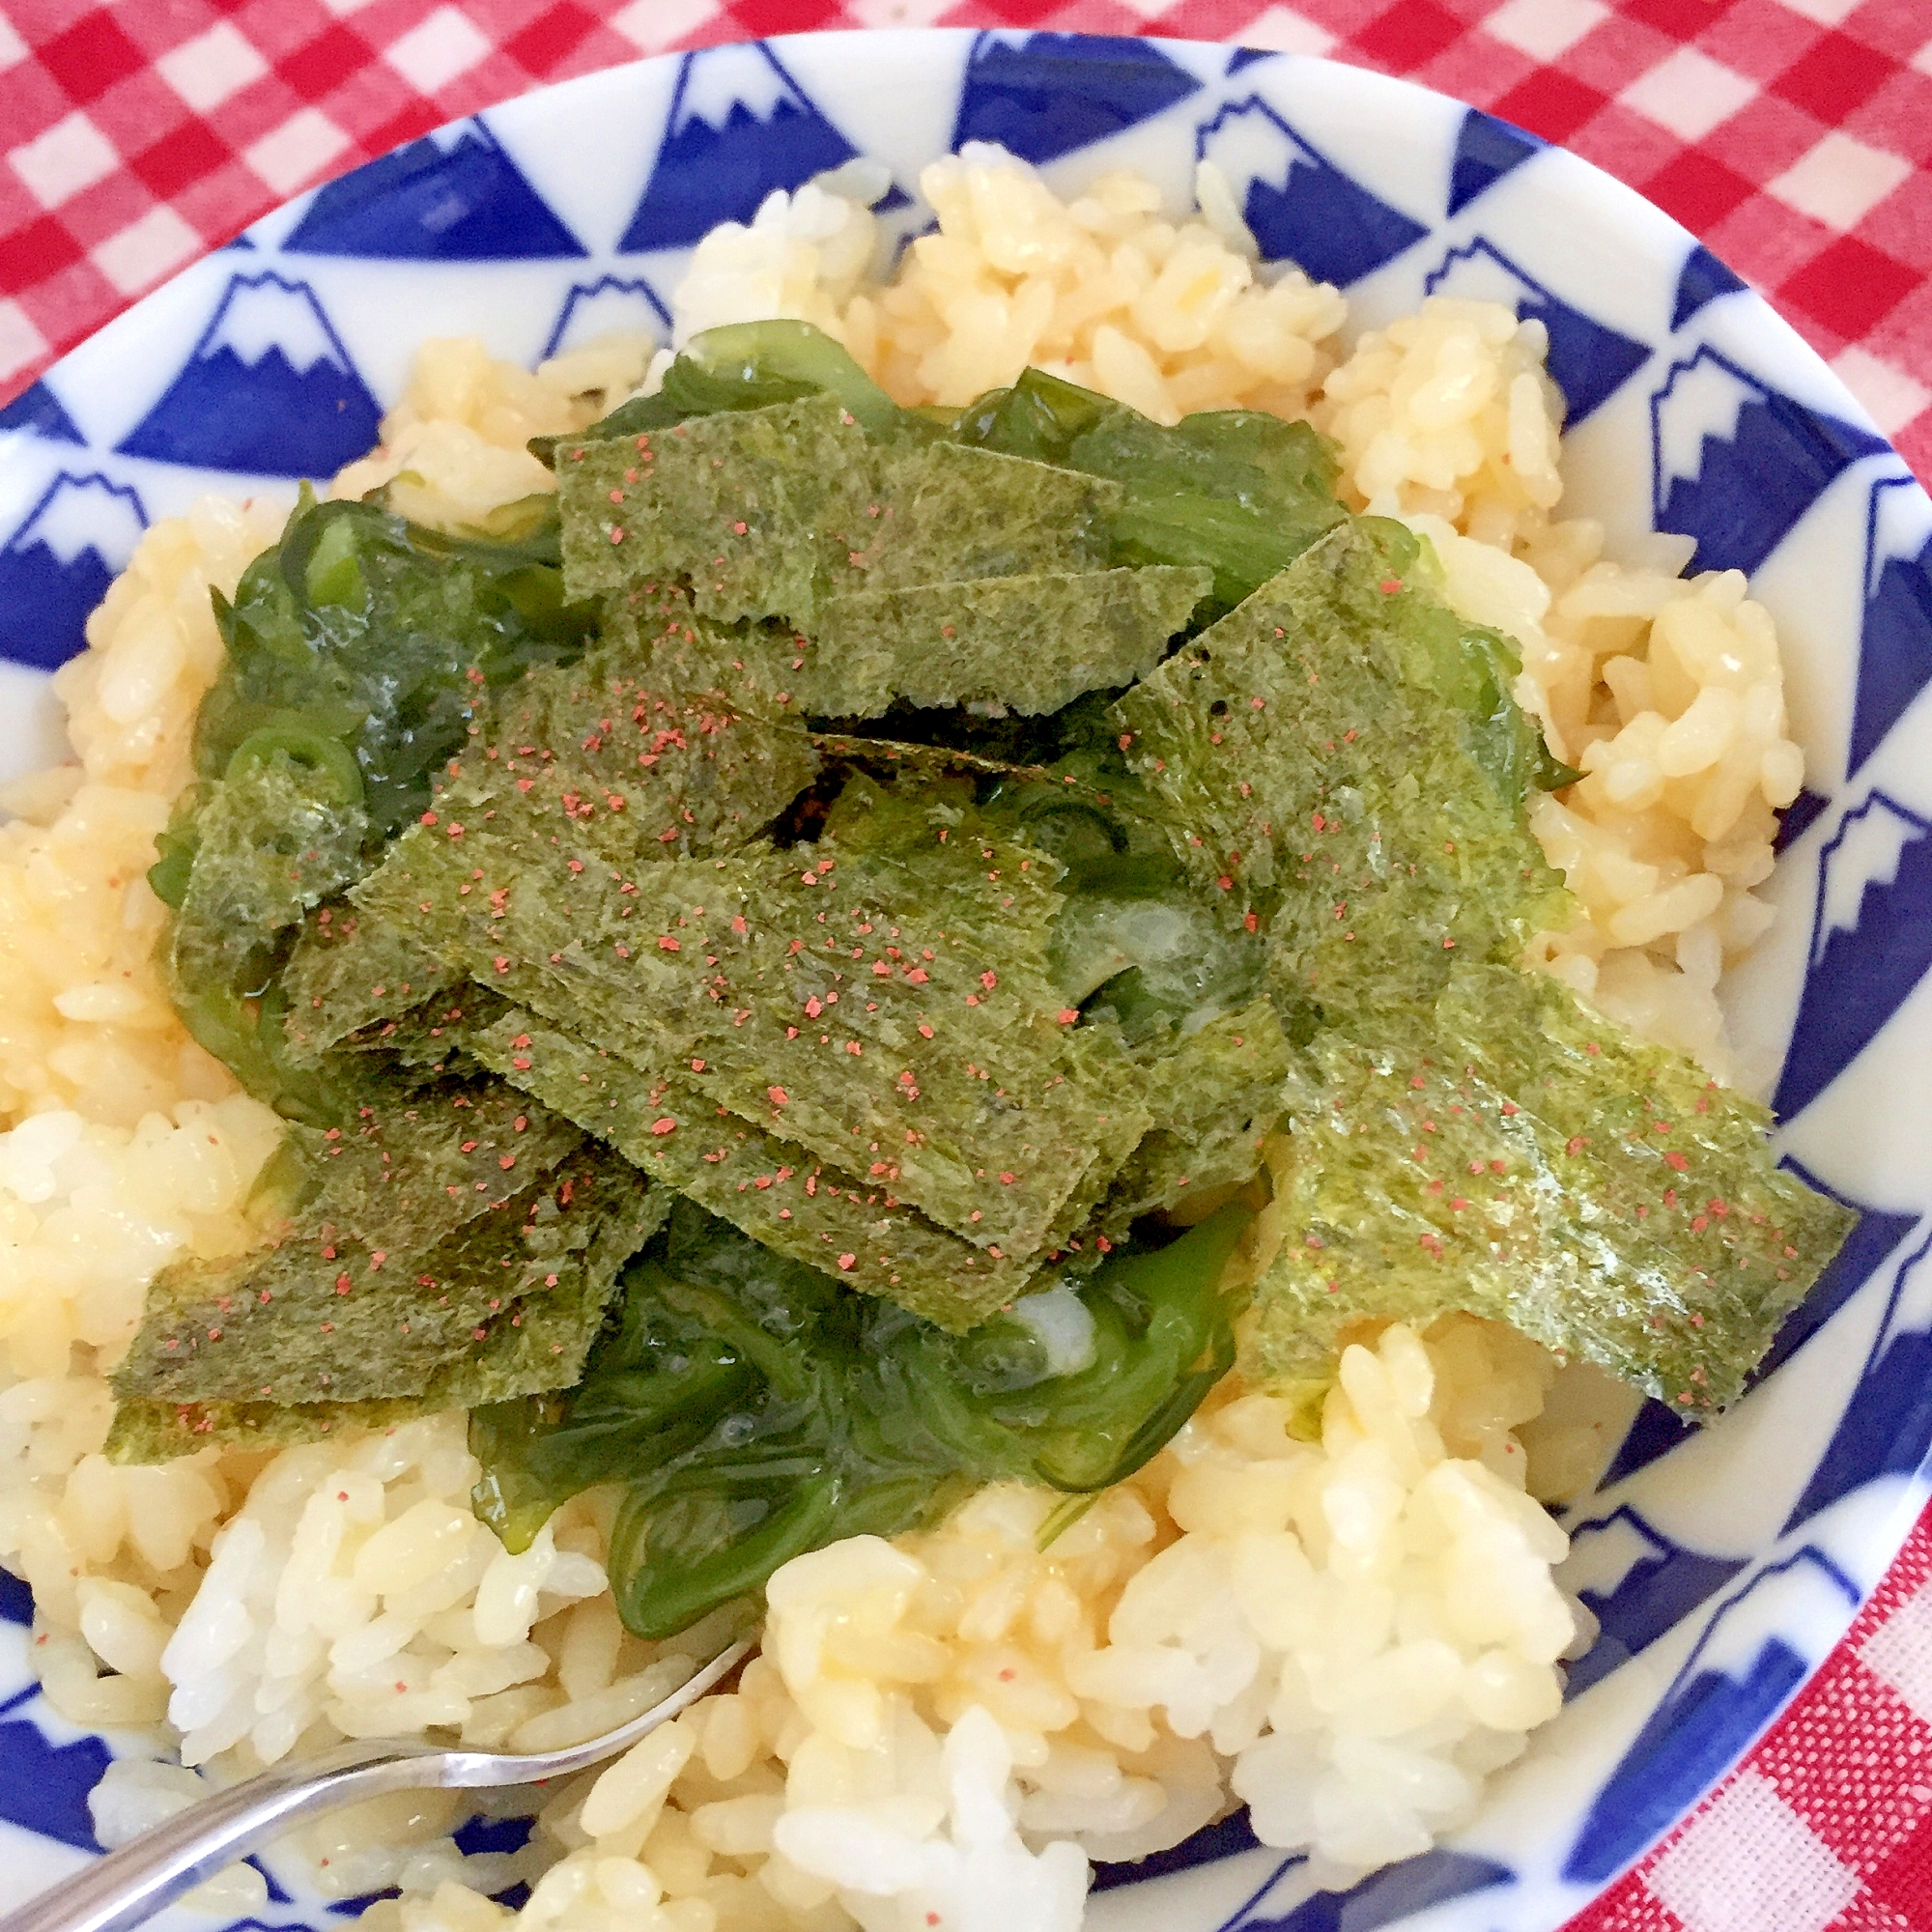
(1040, 95)
(1588, 360)
(1299, 204)
(1797, 817)
(1871, 944)
(38, 410)
(1485, 151)
(601, 307)
(1735, 464)
(1729, 1688)
(739, 126)
(47, 1785)
(1887, 1426)
(1227, 1839)
(269, 390)
(1394, 1893)
(1895, 638)
(1638, 1582)
(453, 196)
(56, 567)
(1702, 279)
(1656, 1430)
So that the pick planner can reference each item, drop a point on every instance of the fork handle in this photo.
(117, 1893)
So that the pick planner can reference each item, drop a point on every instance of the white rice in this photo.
(1347, 1635)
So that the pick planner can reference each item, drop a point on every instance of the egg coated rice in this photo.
(1347, 1635)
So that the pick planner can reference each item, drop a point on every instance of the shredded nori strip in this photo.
(1348, 755)
(853, 1227)
(452, 1207)
(1215, 1096)
(767, 513)
(887, 1000)
(529, 1349)
(1028, 643)
(592, 766)
(1509, 1152)
(371, 1322)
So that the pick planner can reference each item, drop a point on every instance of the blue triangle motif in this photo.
(1300, 206)
(1895, 638)
(1664, 1584)
(16, 1600)
(1871, 944)
(1042, 96)
(1735, 464)
(57, 565)
(43, 1787)
(1797, 817)
(1246, 57)
(1656, 1430)
(1730, 1686)
(1395, 1892)
(1485, 151)
(1702, 279)
(269, 390)
(1689, 1743)
(598, 308)
(1588, 360)
(39, 410)
(492, 1834)
(1228, 1839)
(739, 127)
(452, 197)
(1886, 1427)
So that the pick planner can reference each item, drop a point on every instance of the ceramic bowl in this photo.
(1724, 1564)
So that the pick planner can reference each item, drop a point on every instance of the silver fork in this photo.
(129, 1886)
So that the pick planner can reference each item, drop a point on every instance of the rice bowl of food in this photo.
(1009, 859)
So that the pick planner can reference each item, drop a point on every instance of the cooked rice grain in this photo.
(1349, 1635)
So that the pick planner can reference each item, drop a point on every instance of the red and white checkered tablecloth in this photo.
(1792, 136)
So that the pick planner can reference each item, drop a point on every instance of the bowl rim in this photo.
(1787, 353)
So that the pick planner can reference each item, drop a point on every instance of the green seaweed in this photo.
(752, 1410)
(1030, 642)
(1507, 1152)
(1237, 491)
(881, 999)
(769, 513)
(748, 366)
(359, 650)
(530, 1347)
(1345, 762)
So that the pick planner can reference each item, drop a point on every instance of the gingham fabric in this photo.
(1792, 137)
